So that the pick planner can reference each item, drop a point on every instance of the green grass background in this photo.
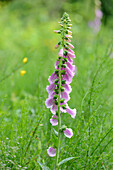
(26, 30)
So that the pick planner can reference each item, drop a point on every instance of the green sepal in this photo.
(56, 71)
(55, 96)
(56, 102)
(65, 53)
(62, 89)
(63, 72)
(64, 65)
(63, 106)
(62, 100)
(56, 81)
(63, 81)
(63, 127)
(56, 91)
(59, 43)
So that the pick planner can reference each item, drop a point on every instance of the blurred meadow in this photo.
(26, 30)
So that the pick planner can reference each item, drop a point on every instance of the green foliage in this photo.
(26, 133)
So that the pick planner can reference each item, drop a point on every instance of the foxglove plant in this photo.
(59, 88)
(96, 24)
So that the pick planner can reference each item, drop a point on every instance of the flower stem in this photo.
(59, 116)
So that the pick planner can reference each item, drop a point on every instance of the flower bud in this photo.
(69, 28)
(70, 25)
(57, 31)
(69, 32)
(68, 36)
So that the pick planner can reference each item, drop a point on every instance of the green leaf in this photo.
(56, 133)
(67, 159)
(43, 166)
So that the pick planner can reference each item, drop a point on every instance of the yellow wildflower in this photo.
(25, 60)
(22, 72)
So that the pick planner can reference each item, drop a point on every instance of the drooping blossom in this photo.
(54, 120)
(68, 132)
(51, 151)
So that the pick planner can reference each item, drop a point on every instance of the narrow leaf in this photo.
(43, 166)
(67, 159)
(56, 133)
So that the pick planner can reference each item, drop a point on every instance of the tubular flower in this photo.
(68, 132)
(54, 120)
(51, 151)
(59, 88)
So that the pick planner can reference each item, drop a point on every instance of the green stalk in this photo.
(59, 116)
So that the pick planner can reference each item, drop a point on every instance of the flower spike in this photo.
(59, 88)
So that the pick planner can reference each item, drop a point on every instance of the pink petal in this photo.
(68, 88)
(52, 77)
(49, 102)
(56, 31)
(98, 13)
(67, 78)
(54, 120)
(72, 112)
(71, 46)
(54, 108)
(51, 151)
(69, 59)
(68, 132)
(51, 94)
(69, 72)
(69, 32)
(50, 88)
(68, 36)
(56, 64)
(56, 46)
(70, 66)
(60, 52)
(71, 55)
(65, 96)
(71, 51)
(68, 40)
